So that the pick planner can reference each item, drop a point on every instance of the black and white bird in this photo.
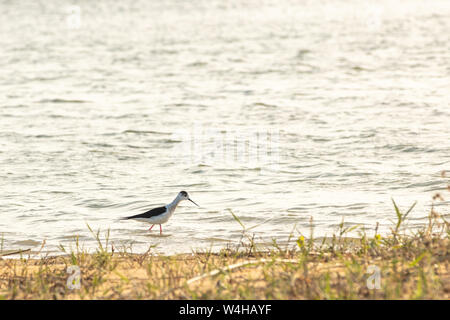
(161, 215)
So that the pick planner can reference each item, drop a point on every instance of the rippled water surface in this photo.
(96, 103)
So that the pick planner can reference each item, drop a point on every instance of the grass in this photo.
(407, 264)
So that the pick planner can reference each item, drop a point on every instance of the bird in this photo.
(162, 214)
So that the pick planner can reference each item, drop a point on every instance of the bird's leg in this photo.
(151, 227)
(160, 229)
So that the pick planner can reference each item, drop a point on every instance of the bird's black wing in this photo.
(149, 214)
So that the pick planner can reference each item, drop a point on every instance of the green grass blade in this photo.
(237, 219)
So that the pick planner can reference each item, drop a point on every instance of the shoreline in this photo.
(33, 254)
(398, 267)
(406, 264)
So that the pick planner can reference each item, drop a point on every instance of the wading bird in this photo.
(162, 214)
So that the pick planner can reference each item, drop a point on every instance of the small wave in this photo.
(28, 242)
(409, 148)
(197, 64)
(266, 105)
(58, 100)
(144, 132)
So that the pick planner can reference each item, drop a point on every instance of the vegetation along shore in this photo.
(406, 264)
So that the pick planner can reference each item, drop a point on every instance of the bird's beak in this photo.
(193, 202)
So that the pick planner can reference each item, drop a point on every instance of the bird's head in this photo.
(183, 195)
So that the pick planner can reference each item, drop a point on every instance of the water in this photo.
(97, 100)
